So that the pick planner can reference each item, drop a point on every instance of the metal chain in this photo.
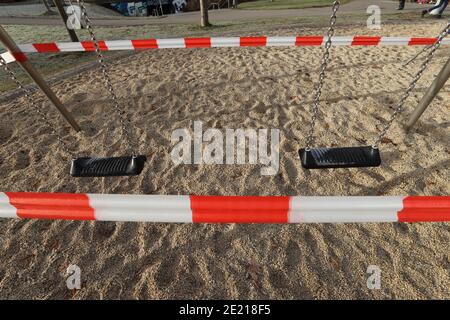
(323, 67)
(122, 116)
(412, 85)
(38, 110)
(417, 55)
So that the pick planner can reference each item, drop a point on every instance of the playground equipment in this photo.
(311, 158)
(223, 209)
(110, 166)
(80, 166)
(350, 157)
(15, 54)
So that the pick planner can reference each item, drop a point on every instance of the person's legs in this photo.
(401, 5)
(443, 6)
(440, 6)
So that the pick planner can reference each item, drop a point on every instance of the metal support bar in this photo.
(9, 43)
(431, 93)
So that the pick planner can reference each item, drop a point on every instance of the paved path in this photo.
(223, 15)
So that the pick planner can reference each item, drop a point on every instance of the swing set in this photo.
(311, 157)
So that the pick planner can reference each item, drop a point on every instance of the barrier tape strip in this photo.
(215, 42)
(218, 42)
(224, 209)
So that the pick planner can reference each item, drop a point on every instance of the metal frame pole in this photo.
(431, 93)
(37, 78)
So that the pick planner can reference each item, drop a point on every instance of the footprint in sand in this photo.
(21, 160)
(85, 108)
(79, 97)
(104, 230)
(166, 273)
(5, 134)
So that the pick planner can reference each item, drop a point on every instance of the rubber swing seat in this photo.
(107, 167)
(348, 157)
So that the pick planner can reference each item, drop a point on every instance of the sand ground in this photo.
(233, 88)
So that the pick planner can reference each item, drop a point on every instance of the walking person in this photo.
(401, 5)
(439, 7)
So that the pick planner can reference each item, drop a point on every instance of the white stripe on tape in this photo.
(280, 41)
(344, 209)
(28, 47)
(225, 42)
(70, 46)
(8, 57)
(141, 208)
(119, 45)
(6, 209)
(340, 41)
(394, 41)
(170, 43)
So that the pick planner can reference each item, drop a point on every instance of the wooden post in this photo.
(431, 93)
(204, 13)
(9, 43)
(59, 5)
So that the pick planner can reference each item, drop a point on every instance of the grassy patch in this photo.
(285, 4)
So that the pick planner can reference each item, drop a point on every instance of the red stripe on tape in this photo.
(46, 47)
(145, 44)
(252, 41)
(218, 209)
(89, 45)
(197, 42)
(425, 209)
(65, 206)
(308, 41)
(421, 41)
(19, 56)
(366, 41)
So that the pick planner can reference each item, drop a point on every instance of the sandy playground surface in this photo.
(233, 88)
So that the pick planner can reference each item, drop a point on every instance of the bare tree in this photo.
(204, 13)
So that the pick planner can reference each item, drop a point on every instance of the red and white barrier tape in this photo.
(8, 57)
(224, 209)
(218, 42)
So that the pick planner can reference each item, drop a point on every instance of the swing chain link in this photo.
(416, 78)
(37, 109)
(323, 67)
(124, 121)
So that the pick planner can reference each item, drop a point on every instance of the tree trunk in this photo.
(204, 13)
(60, 6)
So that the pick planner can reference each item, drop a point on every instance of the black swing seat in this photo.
(349, 157)
(107, 167)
